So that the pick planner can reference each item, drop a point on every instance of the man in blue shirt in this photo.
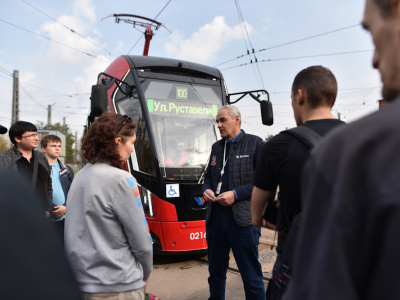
(62, 176)
(227, 188)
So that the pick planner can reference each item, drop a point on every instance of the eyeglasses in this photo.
(31, 135)
(127, 118)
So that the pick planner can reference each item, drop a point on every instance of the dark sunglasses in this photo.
(127, 118)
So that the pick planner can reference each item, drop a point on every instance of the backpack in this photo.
(310, 138)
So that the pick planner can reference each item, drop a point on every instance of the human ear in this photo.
(300, 97)
(118, 140)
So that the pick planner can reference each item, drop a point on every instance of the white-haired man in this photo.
(227, 188)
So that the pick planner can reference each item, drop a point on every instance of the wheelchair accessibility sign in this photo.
(172, 190)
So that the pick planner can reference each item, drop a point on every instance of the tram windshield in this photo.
(182, 117)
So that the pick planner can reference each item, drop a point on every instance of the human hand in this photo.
(59, 211)
(209, 195)
(268, 225)
(226, 199)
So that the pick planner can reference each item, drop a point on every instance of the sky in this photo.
(59, 47)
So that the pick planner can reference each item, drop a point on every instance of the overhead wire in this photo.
(244, 30)
(70, 29)
(368, 93)
(299, 57)
(42, 36)
(5, 71)
(32, 98)
(292, 42)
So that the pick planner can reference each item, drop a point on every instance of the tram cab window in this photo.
(182, 116)
(142, 157)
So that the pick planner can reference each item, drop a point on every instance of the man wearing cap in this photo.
(31, 164)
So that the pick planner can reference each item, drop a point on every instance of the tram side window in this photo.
(142, 145)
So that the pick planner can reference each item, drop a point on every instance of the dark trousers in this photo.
(273, 292)
(223, 233)
(59, 226)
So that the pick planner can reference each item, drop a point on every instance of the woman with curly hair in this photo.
(106, 234)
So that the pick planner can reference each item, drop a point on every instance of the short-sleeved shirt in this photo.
(281, 162)
(349, 241)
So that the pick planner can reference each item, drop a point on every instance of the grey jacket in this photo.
(106, 234)
(9, 158)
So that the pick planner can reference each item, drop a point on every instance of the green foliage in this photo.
(4, 143)
(270, 136)
(69, 137)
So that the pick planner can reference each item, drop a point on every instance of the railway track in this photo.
(235, 269)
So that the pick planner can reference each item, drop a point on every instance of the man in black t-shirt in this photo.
(349, 240)
(282, 158)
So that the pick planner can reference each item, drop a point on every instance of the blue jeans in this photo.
(223, 233)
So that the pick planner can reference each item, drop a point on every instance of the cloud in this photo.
(83, 9)
(204, 44)
(61, 66)
(83, 82)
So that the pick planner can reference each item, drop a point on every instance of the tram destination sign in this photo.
(182, 93)
(168, 108)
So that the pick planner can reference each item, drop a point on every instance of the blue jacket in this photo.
(242, 162)
(65, 181)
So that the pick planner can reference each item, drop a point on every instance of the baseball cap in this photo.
(3, 130)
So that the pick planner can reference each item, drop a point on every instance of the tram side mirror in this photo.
(98, 100)
(267, 115)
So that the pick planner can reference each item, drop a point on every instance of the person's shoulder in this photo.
(6, 153)
(281, 137)
(219, 142)
(251, 137)
(69, 169)
(105, 170)
(42, 159)
(277, 144)
(372, 132)
(40, 154)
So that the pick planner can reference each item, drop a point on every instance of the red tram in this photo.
(174, 104)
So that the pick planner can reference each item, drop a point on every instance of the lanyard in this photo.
(219, 185)
(224, 162)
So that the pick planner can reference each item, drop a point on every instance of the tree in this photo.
(69, 137)
(4, 143)
(270, 136)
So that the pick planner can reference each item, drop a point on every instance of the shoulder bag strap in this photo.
(306, 135)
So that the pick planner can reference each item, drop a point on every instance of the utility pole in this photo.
(64, 127)
(76, 147)
(15, 105)
(49, 116)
